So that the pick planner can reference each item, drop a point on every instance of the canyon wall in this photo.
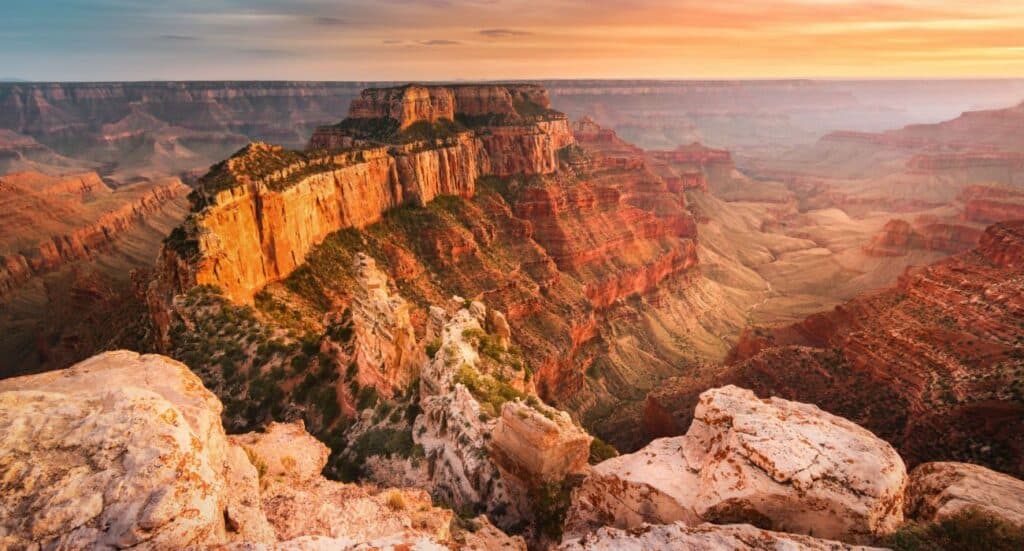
(51, 222)
(259, 213)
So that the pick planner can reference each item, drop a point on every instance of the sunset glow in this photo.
(490, 39)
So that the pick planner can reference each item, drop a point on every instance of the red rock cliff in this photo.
(259, 214)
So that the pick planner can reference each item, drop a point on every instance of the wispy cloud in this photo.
(504, 33)
(329, 21)
(439, 42)
(179, 37)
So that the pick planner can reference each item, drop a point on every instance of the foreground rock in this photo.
(119, 450)
(941, 490)
(703, 537)
(124, 450)
(780, 465)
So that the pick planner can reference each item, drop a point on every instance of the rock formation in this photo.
(739, 537)
(257, 215)
(898, 237)
(67, 249)
(777, 464)
(53, 221)
(128, 450)
(387, 355)
(488, 442)
(938, 491)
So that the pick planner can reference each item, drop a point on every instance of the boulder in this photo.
(777, 464)
(119, 450)
(538, 443)
(940, 490)
(736, 537)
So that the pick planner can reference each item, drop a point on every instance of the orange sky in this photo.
(493, 39)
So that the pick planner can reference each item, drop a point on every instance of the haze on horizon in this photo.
(496, 39)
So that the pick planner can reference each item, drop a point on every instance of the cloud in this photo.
(439, 42)
(504, 33)
(179, 37)
(329, 21)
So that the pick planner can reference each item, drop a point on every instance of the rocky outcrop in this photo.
(414, 103)
(941, 490)
(489, 441)
(739, 537)
(120, 450)
(777, 464)
(124, 450)
(387, 355)
(898, 237)
(299, 502)
(1003, 245)
(538, 443)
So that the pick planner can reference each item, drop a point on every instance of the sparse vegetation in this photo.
(487, 390)
(600, 451)
(551, 503)
(395, 500)
(968, 530)
(257, 461)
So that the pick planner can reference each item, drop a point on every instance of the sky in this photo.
(508, 39)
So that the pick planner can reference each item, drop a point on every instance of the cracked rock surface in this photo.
(737, 537)
(777, 464)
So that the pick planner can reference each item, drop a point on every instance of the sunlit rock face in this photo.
(778, 464)
(257, 215)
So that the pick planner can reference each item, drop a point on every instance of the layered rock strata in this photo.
(933, 365)
(257, 215)
(481, 457)
(51, 222)
(941, 490)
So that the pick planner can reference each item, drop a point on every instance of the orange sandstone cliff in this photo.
(258, 214)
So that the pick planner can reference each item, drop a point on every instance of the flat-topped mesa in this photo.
(514, 123)
(258, 214)
(415, 103)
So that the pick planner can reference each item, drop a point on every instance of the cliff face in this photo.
(573, 248)
(260, 213)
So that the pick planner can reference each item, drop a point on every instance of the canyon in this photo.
(461, 299)
(68, 245)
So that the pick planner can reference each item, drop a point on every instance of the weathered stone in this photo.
(706, 537)
(940, 490)
(119, 450)
(778, 464)
(538, 443)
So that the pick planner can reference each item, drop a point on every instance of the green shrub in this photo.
(968, 530)
(601, 450)
(487, 389)
(367, 398)
(432, 348)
